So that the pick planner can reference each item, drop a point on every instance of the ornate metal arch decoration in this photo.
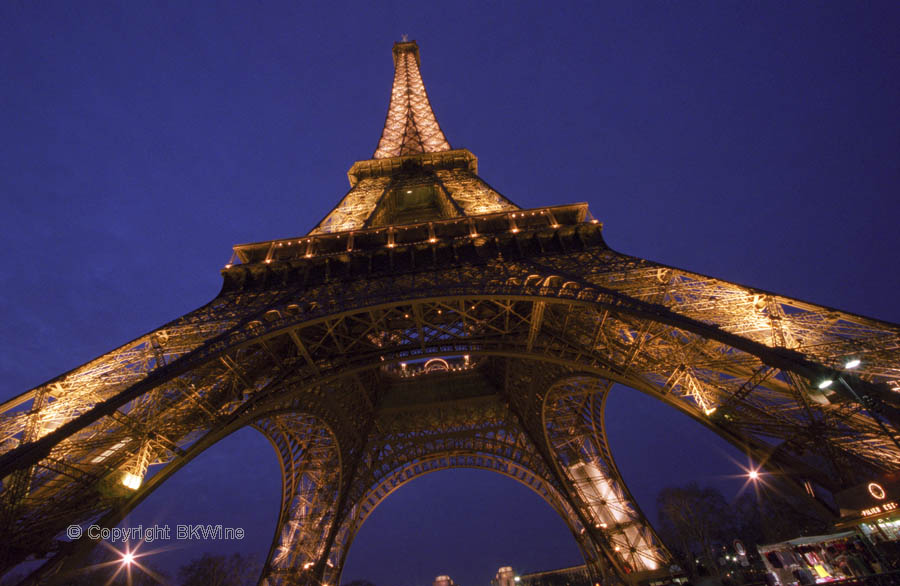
(473, 460)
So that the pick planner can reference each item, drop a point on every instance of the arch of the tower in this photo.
(749, 379)
(458, 419)
(473, 459)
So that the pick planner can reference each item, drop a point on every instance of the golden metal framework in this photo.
(429, 323)
(410, 127)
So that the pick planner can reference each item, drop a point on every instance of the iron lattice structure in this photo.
(428, 323)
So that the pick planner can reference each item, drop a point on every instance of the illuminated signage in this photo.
(883, 508)
(876, 490)
(876, 496)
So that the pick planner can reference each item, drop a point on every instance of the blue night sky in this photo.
(757, 142)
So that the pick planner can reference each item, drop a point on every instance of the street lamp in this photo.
(849, 364)
(753, 475)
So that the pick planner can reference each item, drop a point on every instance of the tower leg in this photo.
(575, 432)
(311, 475)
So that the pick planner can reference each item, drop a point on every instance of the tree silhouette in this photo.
(772, 515)
(694, 521)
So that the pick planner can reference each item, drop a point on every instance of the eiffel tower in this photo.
(426, 323)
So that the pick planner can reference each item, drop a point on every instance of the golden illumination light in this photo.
(132, 481)
(753, 475)
(127, 564)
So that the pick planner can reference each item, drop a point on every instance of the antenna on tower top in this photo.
(404, 38)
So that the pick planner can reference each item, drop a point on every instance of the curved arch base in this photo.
(480, 432)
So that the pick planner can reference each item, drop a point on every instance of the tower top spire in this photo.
(410, 127)
(414, 178)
